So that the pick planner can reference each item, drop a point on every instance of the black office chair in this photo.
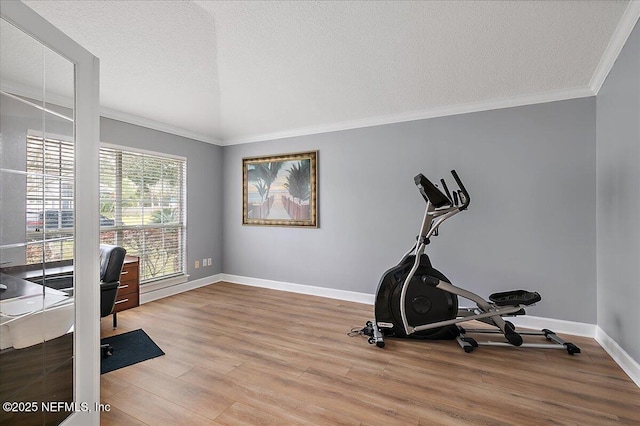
(111, 261)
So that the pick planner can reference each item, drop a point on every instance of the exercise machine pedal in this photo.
(511, 335)
(515, 297)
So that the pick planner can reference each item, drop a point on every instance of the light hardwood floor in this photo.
(244, 355)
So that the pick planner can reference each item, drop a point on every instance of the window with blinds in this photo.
(142, 205)
(143, 209)
(49, 198)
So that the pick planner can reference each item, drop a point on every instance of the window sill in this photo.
(168, 282)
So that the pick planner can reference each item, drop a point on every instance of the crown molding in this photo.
(514, 101)
(24, 91)
(67, 102)
(156, 125)
(617, 42)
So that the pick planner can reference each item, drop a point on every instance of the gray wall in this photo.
(618, 199)
(204, 192)
(531, 224)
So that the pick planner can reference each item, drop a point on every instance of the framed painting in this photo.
(280, 190)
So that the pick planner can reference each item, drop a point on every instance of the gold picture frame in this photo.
(280, 190)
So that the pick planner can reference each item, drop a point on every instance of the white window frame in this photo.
(170, 280)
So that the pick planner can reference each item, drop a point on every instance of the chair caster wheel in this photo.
(106, 352)
(380, 344)
(468, 349)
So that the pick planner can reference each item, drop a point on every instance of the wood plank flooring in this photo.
(238, 355)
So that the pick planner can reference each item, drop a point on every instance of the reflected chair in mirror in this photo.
(111, 262)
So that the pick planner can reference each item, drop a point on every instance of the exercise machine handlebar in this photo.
(446, 189)
(467, 198)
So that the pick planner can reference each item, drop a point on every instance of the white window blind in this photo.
(143, 209)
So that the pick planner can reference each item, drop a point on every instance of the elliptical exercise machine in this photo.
(414, 300)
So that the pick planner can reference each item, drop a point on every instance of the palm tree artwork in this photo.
(280, 190)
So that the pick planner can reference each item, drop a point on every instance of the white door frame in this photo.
(86, 368)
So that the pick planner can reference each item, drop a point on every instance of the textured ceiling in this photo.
(157, 58)
(241, 71)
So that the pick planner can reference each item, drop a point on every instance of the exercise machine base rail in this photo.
(468, 344)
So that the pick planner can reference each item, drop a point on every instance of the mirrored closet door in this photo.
(42, 263)
(36, 225)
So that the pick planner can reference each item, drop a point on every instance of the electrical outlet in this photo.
(204, 262)
(197, 264)
(209, 262)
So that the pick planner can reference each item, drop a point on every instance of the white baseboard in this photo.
(559, 326)
(619, 355)
(350, 296)
(150, 296)
(556, 325)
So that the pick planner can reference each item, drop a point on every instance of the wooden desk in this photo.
(129, 290)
